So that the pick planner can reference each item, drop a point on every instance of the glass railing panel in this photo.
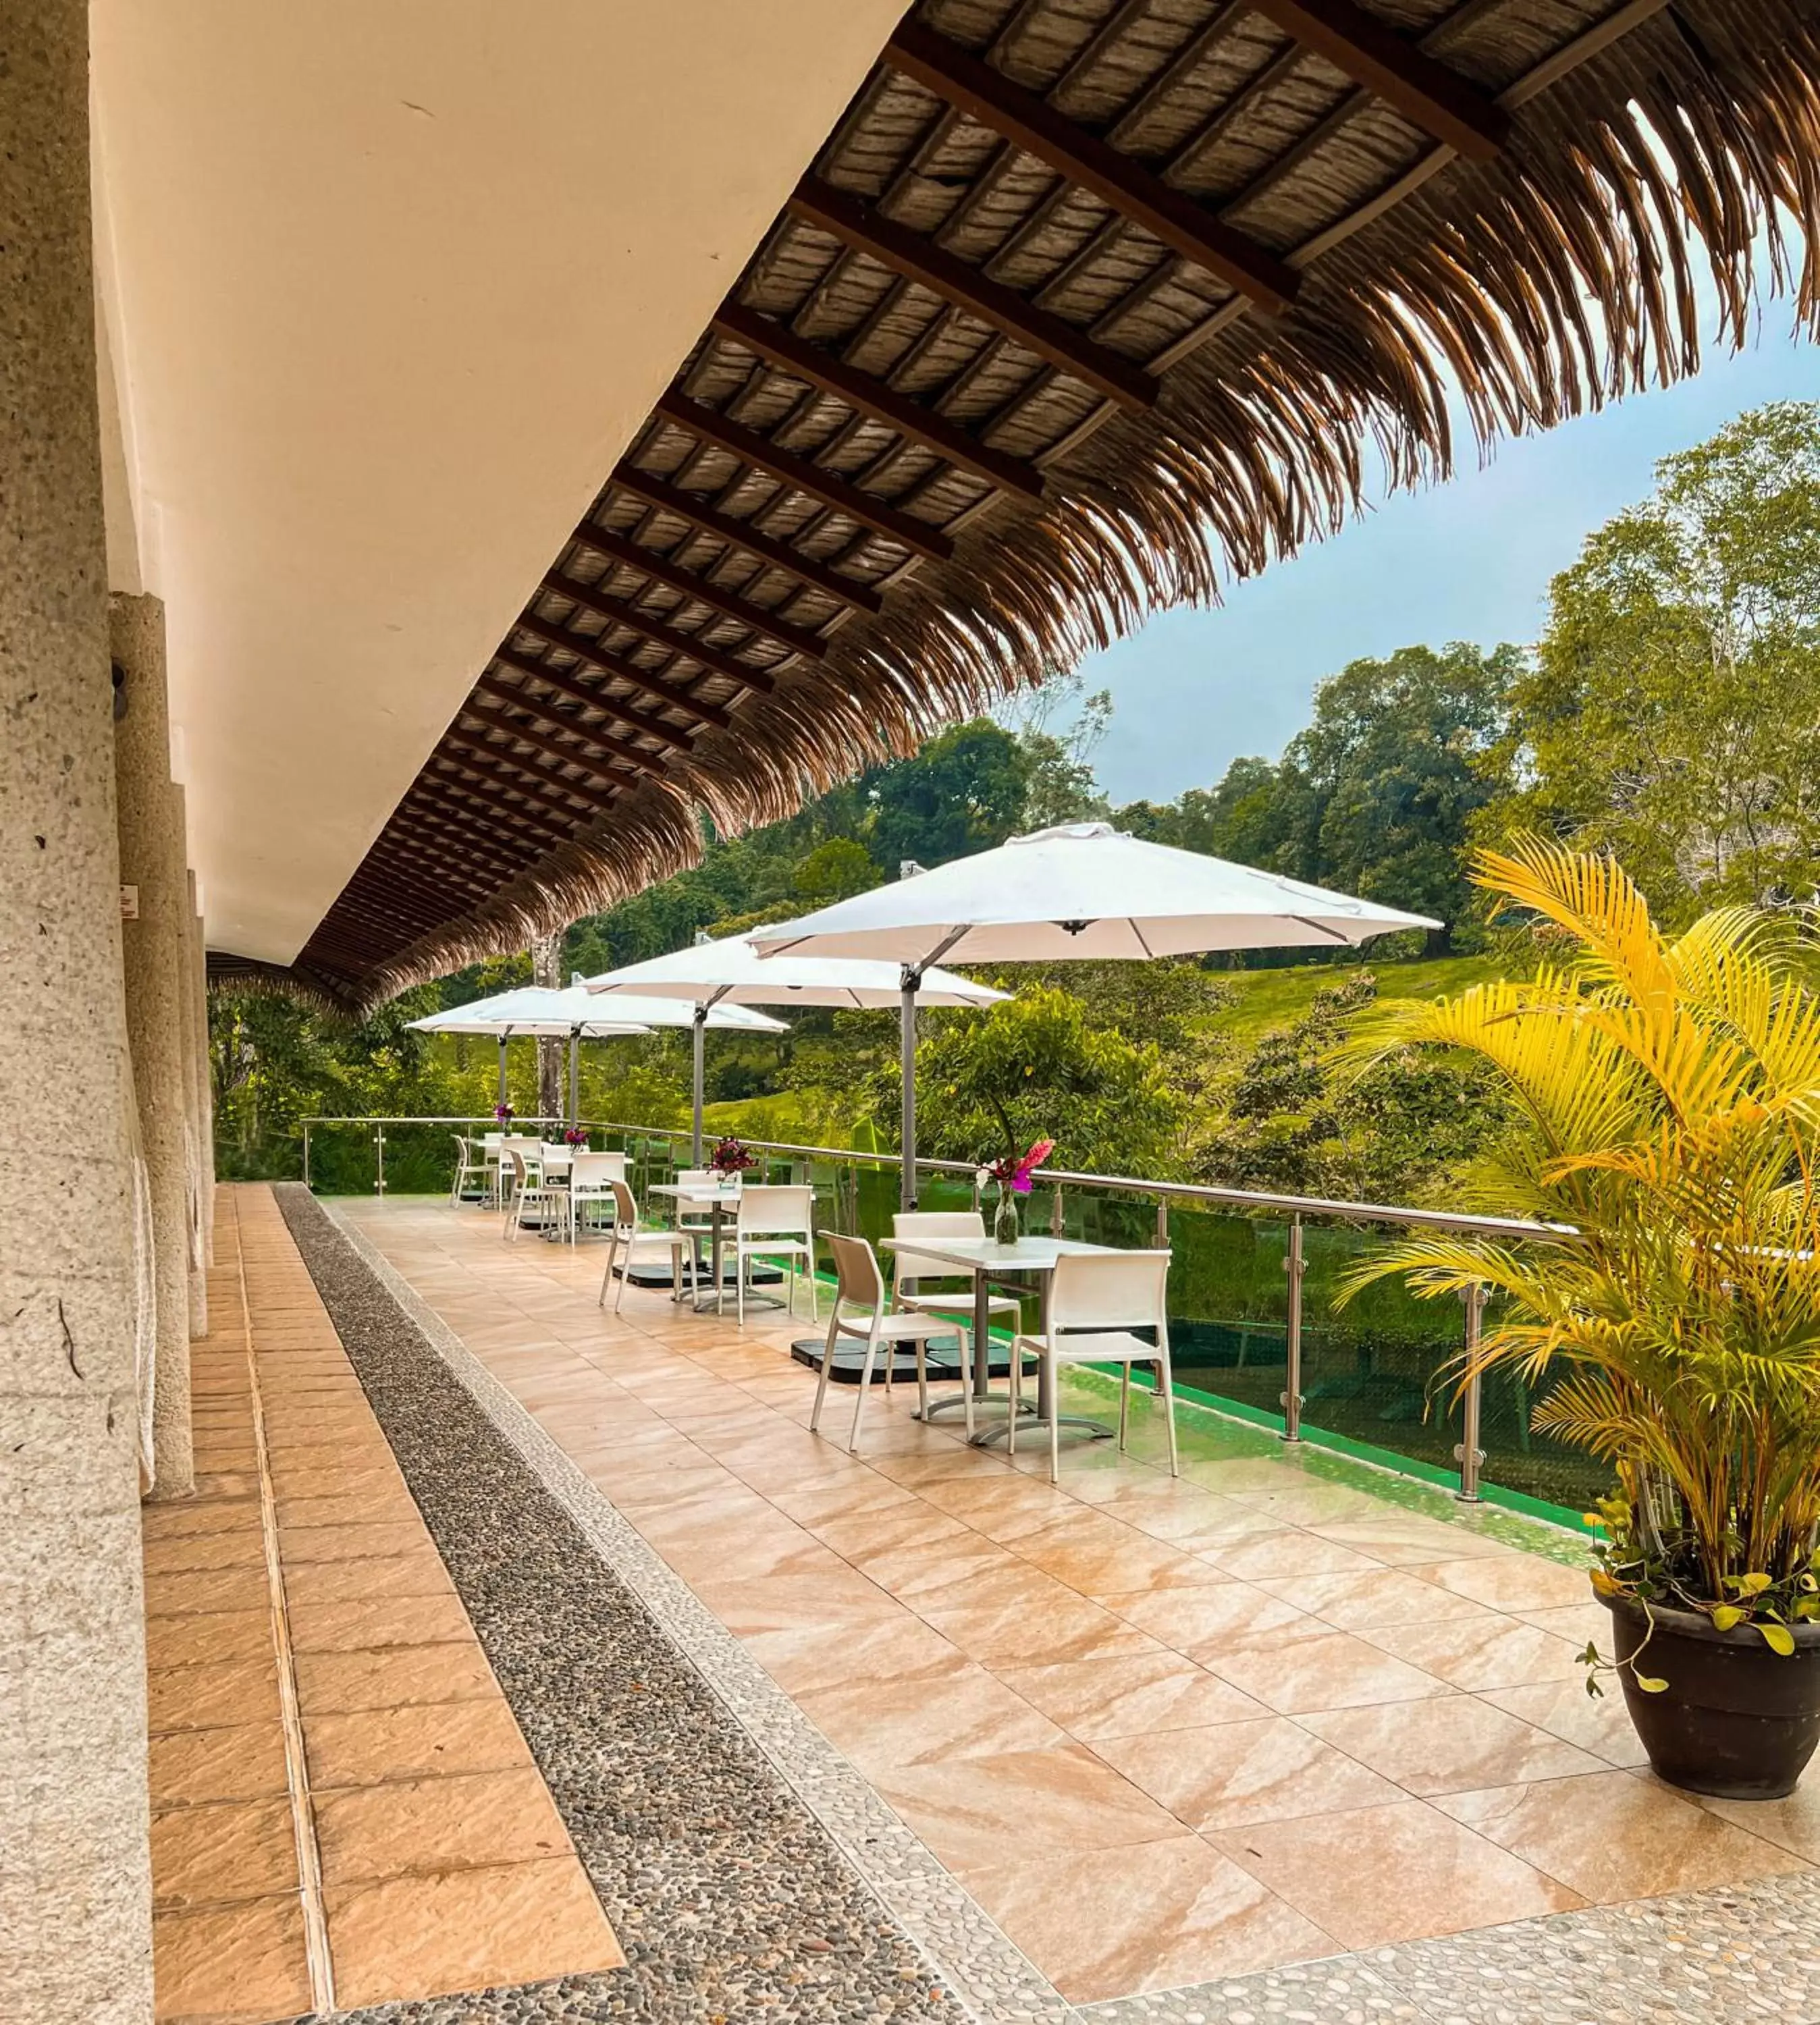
(1228, 1299)
(1517, 1458)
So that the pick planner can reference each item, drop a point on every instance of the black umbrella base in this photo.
(650, 1274)
(945, 1362)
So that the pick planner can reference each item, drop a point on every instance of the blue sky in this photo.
(1470, 560)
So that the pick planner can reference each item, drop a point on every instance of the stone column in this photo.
(194, 1083)
(205, 1074)
(156, 932)
(75, 1880)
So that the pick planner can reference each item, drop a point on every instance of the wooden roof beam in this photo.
(504, 774)
(616, 548)
(1429, 95)
(593, 735)
(699, 512)
(1183, 224)
(618, 711)
(473, 800)
(619, 612)
(804, 476)
(895, 246)
(466, 864)
(659, 688)
(911, 419)
(542, 742)
(429, 832)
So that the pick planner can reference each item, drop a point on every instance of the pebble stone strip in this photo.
(1741, 1956)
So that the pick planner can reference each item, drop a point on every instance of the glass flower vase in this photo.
(1004, 1219)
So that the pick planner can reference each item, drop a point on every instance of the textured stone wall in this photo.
(74, 1887)
(198, 1149)
(156, 938)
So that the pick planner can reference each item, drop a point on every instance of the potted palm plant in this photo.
(1669, 1094)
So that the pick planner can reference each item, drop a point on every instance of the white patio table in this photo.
(717, 1202)
(989, 1263)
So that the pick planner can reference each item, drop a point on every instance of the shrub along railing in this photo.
(1255, 1327)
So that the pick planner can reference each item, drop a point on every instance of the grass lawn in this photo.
(1270, 999)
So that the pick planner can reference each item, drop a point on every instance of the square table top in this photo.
(694, 1191)
(987, 1255)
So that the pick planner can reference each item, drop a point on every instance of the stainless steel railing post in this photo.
(1295, 1265)
(1469, 1454)
(379, 1158)
(1055, 1225)
(306, 1154)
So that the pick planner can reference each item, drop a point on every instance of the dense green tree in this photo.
(964, 792)
(1672, 713)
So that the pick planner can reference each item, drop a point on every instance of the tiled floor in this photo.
(1165, 1731)
(342, 1800)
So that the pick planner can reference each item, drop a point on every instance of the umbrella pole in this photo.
(700, 1074)
(906, 1194)
(502, 1068)
(575, 1075)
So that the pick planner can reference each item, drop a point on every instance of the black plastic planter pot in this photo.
(1736, 1720)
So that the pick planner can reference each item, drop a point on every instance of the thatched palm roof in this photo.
(1085, 307)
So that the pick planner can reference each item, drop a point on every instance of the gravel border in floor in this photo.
(1751, 1953)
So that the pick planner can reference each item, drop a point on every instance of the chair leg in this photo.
(827, 1365)
(1167, 1386)
(966, 1338)
(922, 1378)
(1012, 1417)
(1124, 1405)
(865, 1387)
(1054, 1376)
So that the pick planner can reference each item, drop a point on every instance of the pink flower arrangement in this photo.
(729, 1157)
(574, 1136)
(503, 1113)
(1013, 1171)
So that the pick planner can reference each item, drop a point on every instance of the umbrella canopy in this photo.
(550, 1012)
(730, 971)
(1083, 890)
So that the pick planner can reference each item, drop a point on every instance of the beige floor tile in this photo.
(210, 1636)
(191, 1591)
(1018, 1634)
(423, 1827)
(396, 1677)
(192, 1767)
(1401, 1873)
(1792, 1824)
(1509, 1582)
(1478, 1653)
(1114, 1923)
(368, 1746)
(1139, 1693)
(242, 1547)
(246, 1960)
(776, 1603)
(1284, 1552)
(1612, 1836)
(878, 1536)
(1268, 1769)
(1363, 1601)
(804, 1658)
(1332, 1669)
(1453, 1744)
(1202, 1622)
(965, 1714)
(214, 1695)
(468, 1930)
(980, 1813)
(1401, 1538)
(209, 1855)
(1601, 1725)
(163, 1522)
(1099, 1556)
(302, 1544)
(418, 1572)
(961, 1571)
(376, 1622)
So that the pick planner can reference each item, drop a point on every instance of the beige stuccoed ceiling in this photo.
(387, 286)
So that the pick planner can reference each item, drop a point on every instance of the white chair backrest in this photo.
(594, 1170)
(931, 1223)
(706, 1178)
(490, 1140)
(1116, 1290)
(525, 1142)
(519, 1172)
(625, 1206)
(763, 1210)
(855, 1270)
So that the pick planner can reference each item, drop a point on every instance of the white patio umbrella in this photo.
(547, 1011)
(1081, 891)
(729, 973)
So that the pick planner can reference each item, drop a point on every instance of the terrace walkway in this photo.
(844, 1738)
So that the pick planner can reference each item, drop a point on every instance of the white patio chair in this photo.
(625, 1241)
(916, 1267)
(531, 1192)
(776, 1224)
(1096, 1299)
(531, 1147)
(698, 1222)
(471, 1171)
(590, 1179)
(859, 1284)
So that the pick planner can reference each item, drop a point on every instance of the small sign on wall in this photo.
(129, 903)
